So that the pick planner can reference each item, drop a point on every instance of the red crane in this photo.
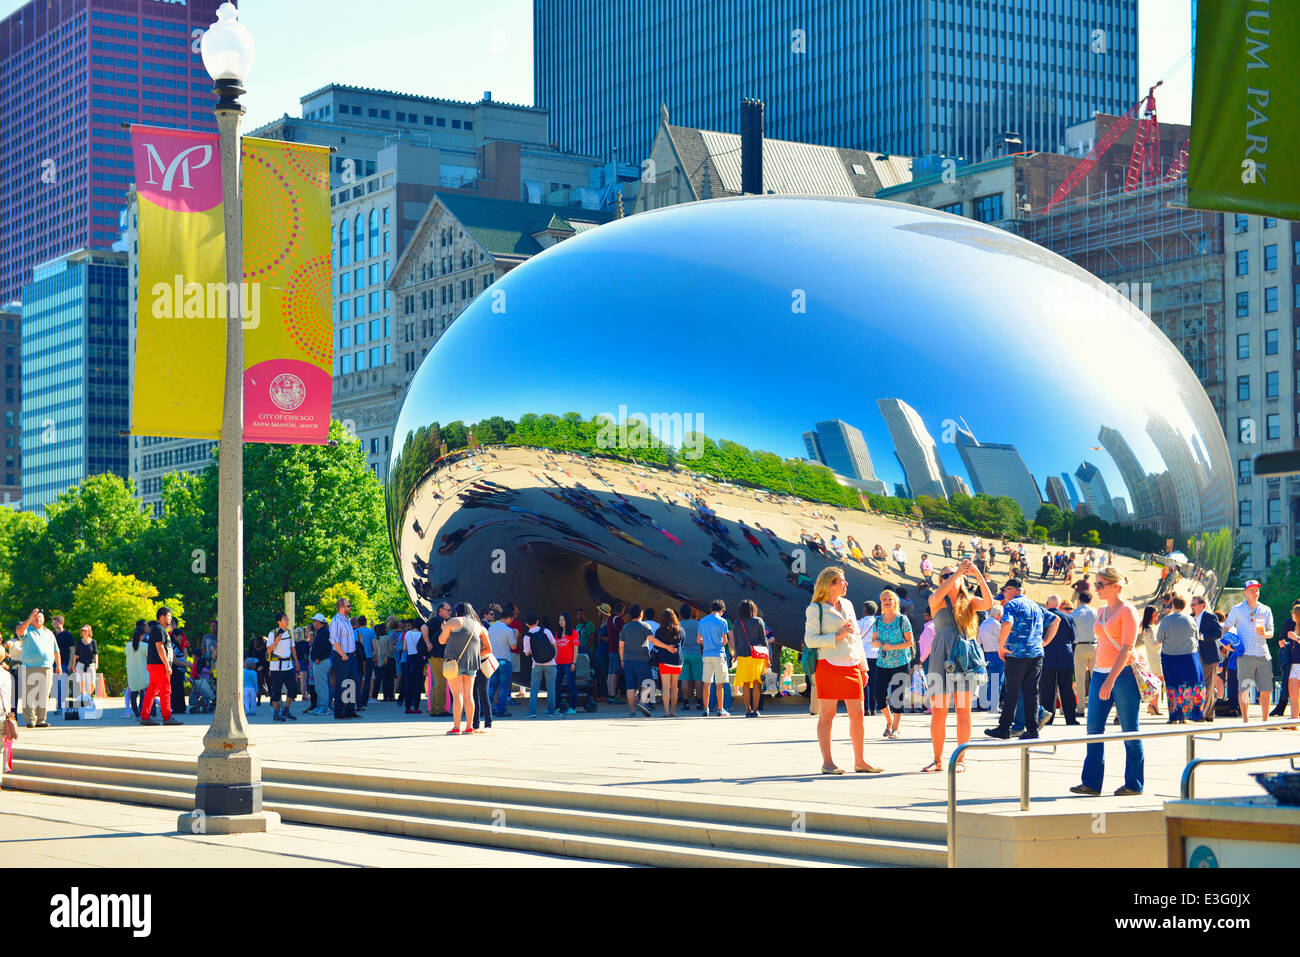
(1179, 166)
(1139, 158)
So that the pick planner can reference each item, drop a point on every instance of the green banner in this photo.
(1245, 151)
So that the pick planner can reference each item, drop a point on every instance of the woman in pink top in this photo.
(1113, 684)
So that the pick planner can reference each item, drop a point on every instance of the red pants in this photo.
(160, 687)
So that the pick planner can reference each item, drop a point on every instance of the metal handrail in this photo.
(1191, 733)
(1186, 789)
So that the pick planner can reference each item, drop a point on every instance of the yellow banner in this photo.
(180, 349)
(289, 337)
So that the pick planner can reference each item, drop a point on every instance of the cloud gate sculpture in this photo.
(696, 403)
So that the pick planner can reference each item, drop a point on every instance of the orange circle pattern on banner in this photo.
(269, 249)
(307, 313)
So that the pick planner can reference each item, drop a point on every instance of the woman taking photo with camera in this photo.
(954, 610)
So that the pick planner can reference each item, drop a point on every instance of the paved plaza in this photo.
(771, 761)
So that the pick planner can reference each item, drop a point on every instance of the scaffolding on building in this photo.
(1167, 258)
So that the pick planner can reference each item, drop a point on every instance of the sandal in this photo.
(867, 769)
(961, 766)
(832, 770)
(931, 767)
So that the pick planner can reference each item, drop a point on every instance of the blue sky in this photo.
(466, 48)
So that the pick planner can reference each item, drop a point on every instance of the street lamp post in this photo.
(228, 797)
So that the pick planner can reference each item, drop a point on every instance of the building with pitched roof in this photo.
(688, 164)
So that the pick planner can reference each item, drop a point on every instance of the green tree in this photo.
(18, 530)
(1092, 537)
(98, 520)
(361, 603)
(111, 604)
(313, 517)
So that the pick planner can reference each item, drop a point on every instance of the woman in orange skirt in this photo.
(831, 627)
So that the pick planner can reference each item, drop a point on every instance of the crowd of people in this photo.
(960, 646)
(1089, 654)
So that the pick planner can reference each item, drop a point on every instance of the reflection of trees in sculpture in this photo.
(721, 459)
(1061, 525)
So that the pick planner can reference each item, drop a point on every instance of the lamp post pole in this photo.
(228, 796)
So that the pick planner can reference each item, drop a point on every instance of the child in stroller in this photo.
(203, 692)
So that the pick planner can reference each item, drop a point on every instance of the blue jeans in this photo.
(499, 684)
(602, 666)
(345, 684)
(990, 695)
(1124, 696)
(568, 673)
(540, 673)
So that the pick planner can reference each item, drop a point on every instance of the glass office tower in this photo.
(71, 72)
(909, 77)
(76, 388)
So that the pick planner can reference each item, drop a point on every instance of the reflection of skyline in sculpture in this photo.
(1057, 495)
(1095, 491)
(997, 470)
(1067, 482)
(1140, 485)
(720, 281)
(915, 449)
(1183, 471)
(843, 449)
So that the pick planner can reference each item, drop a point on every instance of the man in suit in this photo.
(1209, 631)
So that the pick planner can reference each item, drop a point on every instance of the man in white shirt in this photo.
(343, 661)
(502, 638)
(412, 667)
(1084, 617)
(900, 557)
(282, 668)
(1253, 623)
(990, 630)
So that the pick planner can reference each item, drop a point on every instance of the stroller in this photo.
(203, 691)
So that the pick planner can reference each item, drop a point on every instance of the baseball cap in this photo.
(250, 662)
(1251, 584)
(319, 617)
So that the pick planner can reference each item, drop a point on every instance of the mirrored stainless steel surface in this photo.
(716, 345)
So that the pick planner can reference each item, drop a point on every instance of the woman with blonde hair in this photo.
(891, 633)
(1113, 684)
(832, 629)
(954, 610)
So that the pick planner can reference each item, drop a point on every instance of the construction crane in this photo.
(1144, 160)
(1179, 166)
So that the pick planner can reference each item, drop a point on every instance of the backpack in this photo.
(966, 658)
(543, 651)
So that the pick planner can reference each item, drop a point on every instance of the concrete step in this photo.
(590, 847)
(469, 810)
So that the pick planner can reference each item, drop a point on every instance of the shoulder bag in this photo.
(1148, 684)
(756, 650)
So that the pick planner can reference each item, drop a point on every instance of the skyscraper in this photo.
(71, 72)
(999, 470)
(899, 77)
(915, 448)
(812, 445)
(75, 383)
(1131, 471)
(1068, 484)
(1095, 491)
(1057, 495)
(842, 449)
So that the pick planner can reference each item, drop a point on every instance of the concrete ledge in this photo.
(196, 822)
(1101, 838)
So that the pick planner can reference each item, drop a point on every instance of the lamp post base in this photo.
(196, 822)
